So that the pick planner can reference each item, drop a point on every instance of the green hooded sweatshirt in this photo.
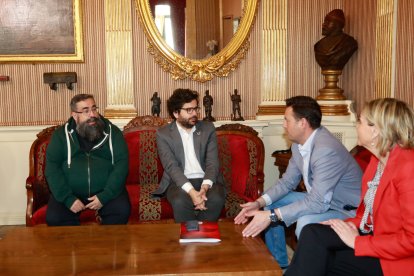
(75, 174)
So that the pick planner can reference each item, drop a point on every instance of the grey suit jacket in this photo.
(171, 153)
(333, 174)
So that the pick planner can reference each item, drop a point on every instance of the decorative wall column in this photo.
(119, 60)
(384, 48)
(274, 56)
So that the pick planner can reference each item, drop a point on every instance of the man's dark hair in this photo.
(180, 97)
(306, 107)
(79, 98)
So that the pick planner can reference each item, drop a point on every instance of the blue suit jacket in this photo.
(171, 153)
(333, 174)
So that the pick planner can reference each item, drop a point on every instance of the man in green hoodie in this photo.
(86, 168)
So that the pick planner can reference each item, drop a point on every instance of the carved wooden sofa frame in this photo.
(241, 154)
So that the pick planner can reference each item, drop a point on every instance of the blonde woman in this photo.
(380, 239)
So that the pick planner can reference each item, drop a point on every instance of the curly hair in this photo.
(394, 120)
(180, 97)
(306, 107)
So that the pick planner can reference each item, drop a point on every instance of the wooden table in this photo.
(130, 249)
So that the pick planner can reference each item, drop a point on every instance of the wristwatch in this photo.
(273, 217)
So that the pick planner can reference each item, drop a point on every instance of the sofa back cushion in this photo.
(241, 155)
(144, 164)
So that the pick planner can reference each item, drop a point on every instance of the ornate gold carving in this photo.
(237, 127)
(145, 122)
(219, 65)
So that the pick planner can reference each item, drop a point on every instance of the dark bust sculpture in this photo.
(208, 107)
(334, 50)
(156, 105)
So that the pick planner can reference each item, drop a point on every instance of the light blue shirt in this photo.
(305, 150)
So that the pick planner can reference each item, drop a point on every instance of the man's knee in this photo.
(59, 219)
(116, 211)
(302, 222)
(216, 197)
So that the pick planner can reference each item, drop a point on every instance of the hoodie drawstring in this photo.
(68, 143)
(69, 147)
(110, 143)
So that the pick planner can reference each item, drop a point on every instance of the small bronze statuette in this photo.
(156, 105)
(208, 107)
(236, 100)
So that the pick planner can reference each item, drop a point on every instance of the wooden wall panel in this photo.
(305, 20)
(359, 74)
(404, 75)
(26, 100)
(149, 78)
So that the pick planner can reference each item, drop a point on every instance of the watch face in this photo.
(273, 217)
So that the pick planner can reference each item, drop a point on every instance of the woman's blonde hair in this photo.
(395, 121)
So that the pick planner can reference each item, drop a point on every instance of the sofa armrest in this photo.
(29, 204)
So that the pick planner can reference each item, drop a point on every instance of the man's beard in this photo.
(186, 122)
(91, 132)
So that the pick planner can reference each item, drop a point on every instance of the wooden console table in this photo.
(131, 249)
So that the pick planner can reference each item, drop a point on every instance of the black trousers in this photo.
(183, 206)
(115, 211)
(321, 252)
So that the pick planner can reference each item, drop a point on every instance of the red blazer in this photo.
(393, 214)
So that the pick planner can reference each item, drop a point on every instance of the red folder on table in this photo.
(208, 232)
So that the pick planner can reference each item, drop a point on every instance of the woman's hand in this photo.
(346, 231)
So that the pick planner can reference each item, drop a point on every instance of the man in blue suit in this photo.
(188, 152)
(331, 175)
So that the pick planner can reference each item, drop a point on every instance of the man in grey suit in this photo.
(331, 175)
(188, 151)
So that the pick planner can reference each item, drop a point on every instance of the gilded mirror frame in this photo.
(201, 70)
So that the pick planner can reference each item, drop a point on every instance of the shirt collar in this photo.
(183, 130)
(307, 147)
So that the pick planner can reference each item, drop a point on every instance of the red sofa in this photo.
(241, 154)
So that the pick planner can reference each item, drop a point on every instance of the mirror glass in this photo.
(196, 29)
(197, 39)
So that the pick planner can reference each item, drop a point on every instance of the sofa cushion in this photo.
(87, 216)
(239, 158)
(150, 208)
(144, 164)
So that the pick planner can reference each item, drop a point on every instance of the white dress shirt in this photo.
(192, 167)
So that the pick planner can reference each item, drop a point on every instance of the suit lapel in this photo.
(178, 143)
(386, 177)
(197, 141)
(310, 173)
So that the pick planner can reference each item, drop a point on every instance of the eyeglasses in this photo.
(191, 109)
(86, 111)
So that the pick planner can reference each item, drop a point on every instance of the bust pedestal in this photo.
(331, 91)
